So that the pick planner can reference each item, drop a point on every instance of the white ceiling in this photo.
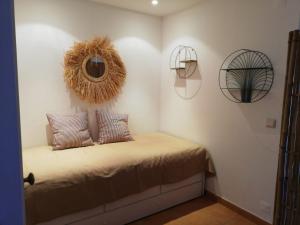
(164, 7)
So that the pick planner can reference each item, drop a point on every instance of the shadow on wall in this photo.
(188, 88)
(84, 106)
(267, 138)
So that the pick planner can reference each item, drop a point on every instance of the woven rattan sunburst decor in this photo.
(94, 70)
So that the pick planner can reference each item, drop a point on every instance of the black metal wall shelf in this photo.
(189, 61)
(184, 61)
(179, 68)
(246, 76)
(259, 68)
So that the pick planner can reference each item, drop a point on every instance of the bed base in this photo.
(138, 206)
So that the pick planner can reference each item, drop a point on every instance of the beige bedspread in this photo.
(72, 180)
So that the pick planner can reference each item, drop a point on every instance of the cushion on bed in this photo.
(70, 131)
(112, 127)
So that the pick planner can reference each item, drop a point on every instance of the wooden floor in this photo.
(201, 211)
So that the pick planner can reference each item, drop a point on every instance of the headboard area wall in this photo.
(47, 29)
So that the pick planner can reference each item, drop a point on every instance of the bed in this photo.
(93, 184)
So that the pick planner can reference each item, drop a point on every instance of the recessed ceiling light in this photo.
(154, 2)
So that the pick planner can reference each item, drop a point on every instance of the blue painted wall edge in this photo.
(11, 178)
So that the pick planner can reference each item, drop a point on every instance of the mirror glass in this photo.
(95, 67)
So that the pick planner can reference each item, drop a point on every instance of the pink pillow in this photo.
(70, 131)
(112, 127)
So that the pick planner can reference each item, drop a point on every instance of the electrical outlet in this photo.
(265, 207)
(271, 123)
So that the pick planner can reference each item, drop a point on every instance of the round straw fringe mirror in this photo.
(94, 70)
(246, 76)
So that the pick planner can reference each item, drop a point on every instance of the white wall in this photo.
(46, 29)
(244, 151)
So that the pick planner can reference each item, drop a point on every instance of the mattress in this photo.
(79, 179)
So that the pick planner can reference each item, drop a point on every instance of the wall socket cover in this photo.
(271, 123)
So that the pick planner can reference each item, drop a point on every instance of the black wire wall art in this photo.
(246, 76)
(184, 61)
